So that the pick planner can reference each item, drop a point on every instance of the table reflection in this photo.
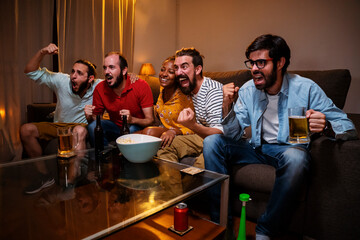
(90, 195)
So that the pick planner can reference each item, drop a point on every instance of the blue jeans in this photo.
(110, 129)
(290, 161)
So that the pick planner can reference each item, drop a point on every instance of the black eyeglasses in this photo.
(260, 63)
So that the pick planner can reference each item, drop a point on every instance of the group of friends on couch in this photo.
(198, 116)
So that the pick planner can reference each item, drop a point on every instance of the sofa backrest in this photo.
(155, 87)
(335, 83)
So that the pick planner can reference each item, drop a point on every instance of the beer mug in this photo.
(66, 143)
(298, 125)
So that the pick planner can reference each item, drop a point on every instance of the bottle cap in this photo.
(244, 197)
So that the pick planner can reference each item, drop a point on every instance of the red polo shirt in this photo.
(134, 97)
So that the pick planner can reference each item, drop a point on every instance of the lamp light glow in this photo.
(147, 69)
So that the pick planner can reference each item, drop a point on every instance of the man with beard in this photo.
(73, 92)
(119, 96)
(263, 103)
(207, 98)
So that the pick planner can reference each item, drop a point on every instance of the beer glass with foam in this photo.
(298, 125)
(67, 142)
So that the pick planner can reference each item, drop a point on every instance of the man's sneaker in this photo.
(44, 182)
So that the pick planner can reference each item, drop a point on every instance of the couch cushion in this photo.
(257, 177)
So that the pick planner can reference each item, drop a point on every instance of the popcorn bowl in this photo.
(138, 148)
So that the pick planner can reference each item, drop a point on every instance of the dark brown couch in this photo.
(329, 208)
(330, 205)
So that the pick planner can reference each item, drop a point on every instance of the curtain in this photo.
(24, 28)
(85, 28)
(90, 28)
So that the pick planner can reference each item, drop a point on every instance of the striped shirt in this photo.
(208, 104)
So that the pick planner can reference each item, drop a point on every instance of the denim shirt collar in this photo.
(285, 85)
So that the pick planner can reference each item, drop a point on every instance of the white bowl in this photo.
(138, 148)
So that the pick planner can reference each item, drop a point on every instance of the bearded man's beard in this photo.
(119, 80)
(270, 79)
(82, 87)
(189, 89)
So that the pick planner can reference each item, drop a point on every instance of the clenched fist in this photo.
(230, 94)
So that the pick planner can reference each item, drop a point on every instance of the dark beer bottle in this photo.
(99, 137)
(125, 127)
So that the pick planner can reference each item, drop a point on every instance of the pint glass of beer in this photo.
(298, 125)
(66, 143)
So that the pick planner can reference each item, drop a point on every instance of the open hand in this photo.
(133, 77)
(167, 138)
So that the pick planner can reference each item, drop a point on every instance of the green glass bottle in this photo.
(242, 228)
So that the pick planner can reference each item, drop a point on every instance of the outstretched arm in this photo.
(34, 62)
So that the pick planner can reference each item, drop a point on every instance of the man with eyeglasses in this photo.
(262, 103)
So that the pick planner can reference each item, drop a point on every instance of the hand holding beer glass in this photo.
(67, 142)
(298, 126)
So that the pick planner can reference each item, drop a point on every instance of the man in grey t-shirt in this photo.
(73, 92)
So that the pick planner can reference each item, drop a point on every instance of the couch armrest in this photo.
(40, 112)
(334, 196)
(355, 118)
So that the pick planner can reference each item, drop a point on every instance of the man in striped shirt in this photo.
(207, 98)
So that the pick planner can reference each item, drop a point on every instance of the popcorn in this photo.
(125, 140)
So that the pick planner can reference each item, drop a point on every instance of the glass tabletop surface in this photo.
(91, 197)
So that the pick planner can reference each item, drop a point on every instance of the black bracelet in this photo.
(327, 126)
(327, 131)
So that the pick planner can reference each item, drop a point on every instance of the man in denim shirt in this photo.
(263, 103)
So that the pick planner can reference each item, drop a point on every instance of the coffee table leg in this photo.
(224, 202)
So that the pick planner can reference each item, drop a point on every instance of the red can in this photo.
(181, 217)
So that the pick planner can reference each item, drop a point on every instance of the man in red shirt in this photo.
(119, 96)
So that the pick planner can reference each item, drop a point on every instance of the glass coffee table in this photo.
(93, 198)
